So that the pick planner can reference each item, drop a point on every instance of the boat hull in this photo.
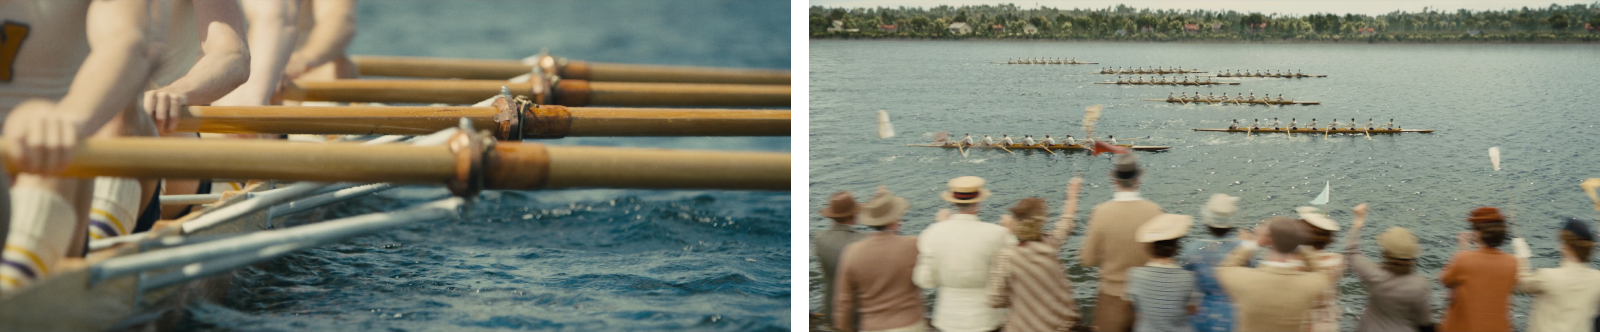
(1057, 147)
(1321, 131)
(1271, 76)
(1171, 83)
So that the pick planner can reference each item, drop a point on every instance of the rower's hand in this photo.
(165, 107)
(295, 66)
(41, 138)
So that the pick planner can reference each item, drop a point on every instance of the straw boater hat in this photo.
(1314, 216)
(1165, 226)
(1126, 167)
(1029, 214)
(1219, 211)
(882, 209)
(841, 205)
(1398, 243)
(966, 189)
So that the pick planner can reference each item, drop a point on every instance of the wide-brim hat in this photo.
(966, 189)
(1165, 226)
(1219, 211)
(1126, 167)
(1315, 217)
(1398, 243)
(882, 209)
(841, 205)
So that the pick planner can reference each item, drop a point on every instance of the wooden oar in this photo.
(508, 120)
(467, 163)
(1369, 133)
(962, 149)
(565, 93)
(565, 68)
(1003, 147)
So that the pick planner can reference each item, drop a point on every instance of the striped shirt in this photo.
(1161, 294)
(1030, 279)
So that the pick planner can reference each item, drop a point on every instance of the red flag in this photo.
(1102, 146)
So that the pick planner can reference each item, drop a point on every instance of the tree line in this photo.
(1121, 22)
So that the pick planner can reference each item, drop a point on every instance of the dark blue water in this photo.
(1536, 102)
(566, 260)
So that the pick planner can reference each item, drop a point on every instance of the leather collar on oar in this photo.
(509, 119)
(488, 69)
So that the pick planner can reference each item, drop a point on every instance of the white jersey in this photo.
(1050, 141)
(45, 41)
(988, 141)
(1029, 140)
(1069, 141)
(965, 139)
(1007, 140)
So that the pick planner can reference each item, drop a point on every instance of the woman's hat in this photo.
(1165, 226)
(1219, 211)
(882, 209)
(1315, 217)
(1398, 243)
(841, 205)
(966, 189)
(1485, 214)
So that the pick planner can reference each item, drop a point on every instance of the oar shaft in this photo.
(509, 165)
(490, 69)
(566, 93)
(540, 122)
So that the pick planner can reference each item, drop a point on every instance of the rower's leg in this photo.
(45, 228)
(113, 211)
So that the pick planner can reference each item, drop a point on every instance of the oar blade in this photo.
(885, 129)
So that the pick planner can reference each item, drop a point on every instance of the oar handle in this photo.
(493, 69)
(566, 92)
(508, 120)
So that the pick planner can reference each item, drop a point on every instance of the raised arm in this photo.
(1069, 211)
(1089, 255)
(1527, 280)
(335, 27)
(1364, 268)
(109, 79)
(223, 65)
(271, 38)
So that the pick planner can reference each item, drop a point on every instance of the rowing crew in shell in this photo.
(1163, 80)
(1027, 140)
(1240, 98)
(1313, 125)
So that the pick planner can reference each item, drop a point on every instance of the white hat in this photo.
(1314, 216)
(883, 209)
(1165, 226)
(966, 189)
(1219, 211)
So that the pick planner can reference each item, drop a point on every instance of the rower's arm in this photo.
(335, 27)
(225, 60)
(271, 39)
(48, 132)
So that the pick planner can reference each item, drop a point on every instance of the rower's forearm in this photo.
(335, 27)
(99, 91)
(271, 38)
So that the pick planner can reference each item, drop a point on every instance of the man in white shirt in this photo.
(1028, 139)
(954, 256)
(1005, 140)
(987, 141)
(1049, 141)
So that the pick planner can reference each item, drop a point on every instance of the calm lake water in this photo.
(1536, 102)
(566, 260)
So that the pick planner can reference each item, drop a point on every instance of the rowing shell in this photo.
(1319, 131)
(1052, 147)
(1230, 101)
(1046, 63)
(1170, 83)
(1271, 76)
(1152, 72)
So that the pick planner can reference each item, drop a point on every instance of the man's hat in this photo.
(1398, 243)
(1314, 216)
(1219, 211)
(966, 189)
(841, 205)
(1126, 167)
(1579, 228)
(1485, 214)
(883, 209)
(1165, 226)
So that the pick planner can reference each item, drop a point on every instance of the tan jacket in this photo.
(875, 281)
(1110, 244)
(1269, 298)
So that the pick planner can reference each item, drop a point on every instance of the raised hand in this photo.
(1361, 215)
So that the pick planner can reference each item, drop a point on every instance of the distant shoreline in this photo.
(1573, 41)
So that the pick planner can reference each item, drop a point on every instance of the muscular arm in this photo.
(271, 38)
(223, 65)
(105, 84)
(335, 27)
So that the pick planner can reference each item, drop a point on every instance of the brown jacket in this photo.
(1269, 298)
(1480, 284)
(1110, 244)
(874, 280)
